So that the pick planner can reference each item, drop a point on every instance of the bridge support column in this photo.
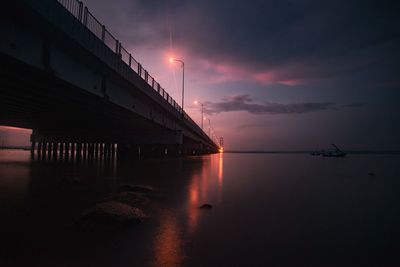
(44, 148)
(112, 150)
(33, 144)
(72, 151)
(96, 151)
(61, 152)
(55, 150)
(84, 150)
(78, 151)
(174, 150)
(49, 150)
(101, 151)
(39, 149)
(129, 151)
(106, 150)
(90, 151)
(67, 151)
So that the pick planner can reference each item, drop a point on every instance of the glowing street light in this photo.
(183, 80)
(202, 111)
(209, 127)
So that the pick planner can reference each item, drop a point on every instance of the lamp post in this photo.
(202, 111)
(183, 80)
(209, 127)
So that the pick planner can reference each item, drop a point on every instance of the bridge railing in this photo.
(74, 7)
(82, 14)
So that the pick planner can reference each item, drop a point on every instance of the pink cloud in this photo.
(222, 72)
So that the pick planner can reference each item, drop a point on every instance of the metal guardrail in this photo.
(83, 15)
(76, 8)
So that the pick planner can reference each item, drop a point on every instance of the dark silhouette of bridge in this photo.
(65, 76)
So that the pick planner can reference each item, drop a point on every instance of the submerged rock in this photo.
(111, 214)
(371, 173)
(206, 206)
(130, 198)
(137, 188)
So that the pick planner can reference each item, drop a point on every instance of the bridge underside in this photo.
(61, 114)
(64, 82)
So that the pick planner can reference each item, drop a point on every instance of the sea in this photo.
(276, 209)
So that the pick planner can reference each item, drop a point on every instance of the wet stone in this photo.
(130, 198)
(206, 206)
(137, 188)
(111, 214)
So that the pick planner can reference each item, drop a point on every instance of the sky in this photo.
(273, 75)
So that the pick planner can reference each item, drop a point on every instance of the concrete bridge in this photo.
(64, 75)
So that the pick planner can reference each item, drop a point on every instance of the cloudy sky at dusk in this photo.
(273, 74)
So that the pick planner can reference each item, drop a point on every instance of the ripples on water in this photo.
(269, 210)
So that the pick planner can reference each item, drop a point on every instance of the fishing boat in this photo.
(336, 153)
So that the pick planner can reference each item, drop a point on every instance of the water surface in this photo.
(268, 210)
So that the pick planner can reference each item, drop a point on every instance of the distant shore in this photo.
(377, 152)
(15, 147)
(355, 152)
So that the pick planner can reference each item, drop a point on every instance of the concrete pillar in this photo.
(101, 150)
(33, 144)
(106, 150)
(90, 151)
(44, 148)
(39, 149)
(112, 150)
(72, 151)
(50, 145)
(61, 150)
(109, 150)
(84, 150)
(78, 151)
(55, 150)
(93, 150)
(96, 151)
(174, 150)
(67, 147)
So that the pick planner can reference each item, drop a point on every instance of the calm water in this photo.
(269, 210)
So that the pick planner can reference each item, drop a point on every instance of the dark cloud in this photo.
(297, 40)
(246, 103)
(354, 105)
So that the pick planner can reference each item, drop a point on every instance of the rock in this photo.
(136, 188)
(130, 198)
(111, 214)
(371, 173)
(206, 206)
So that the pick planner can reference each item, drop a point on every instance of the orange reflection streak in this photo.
(220, 170)
(193, 215)
(168, 243)
(204, 183)
(220, 175)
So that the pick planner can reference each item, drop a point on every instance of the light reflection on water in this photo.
(171, 236)
(168, 243)
(278, 210)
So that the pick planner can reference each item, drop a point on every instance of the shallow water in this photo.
(268, 210)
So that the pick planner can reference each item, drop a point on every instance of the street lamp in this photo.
(209, 127)
(202, 111)
(183, 79)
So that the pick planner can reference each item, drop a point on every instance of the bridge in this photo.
(65, 76)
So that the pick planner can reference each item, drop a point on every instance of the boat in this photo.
(336, 153)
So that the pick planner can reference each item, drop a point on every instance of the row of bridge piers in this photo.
(72, 150)
(56, 148)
